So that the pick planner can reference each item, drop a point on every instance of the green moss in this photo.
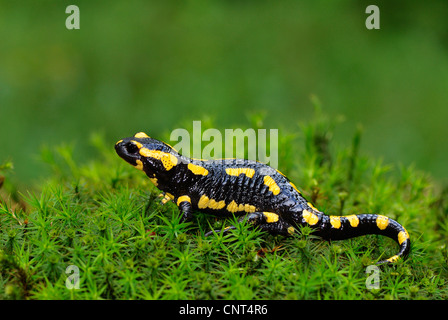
(105, 218)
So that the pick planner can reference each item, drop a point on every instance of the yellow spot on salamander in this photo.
(280, 172)
(273, 187)
(270, 217)
(198, 170)
(291, 230)
(168, 160)
(183, 199)
(249, 172)
(213, 204)
(205, 202)
(353, 219)
(382, 222)
(310, 217)
(403, 236)
(312, 207)
(139, 164)
(295, 188)
(247, 207)
(250, 208)
(138, 144)
(154, 180)
(234, 207)
(393, 258)
(119, 141)
(141, 135)
(335, 221)
(168, 197)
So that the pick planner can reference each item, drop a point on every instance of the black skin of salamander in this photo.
(288, 204)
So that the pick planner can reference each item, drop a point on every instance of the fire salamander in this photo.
(254, 191)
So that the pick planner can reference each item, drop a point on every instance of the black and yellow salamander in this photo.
(258, 193)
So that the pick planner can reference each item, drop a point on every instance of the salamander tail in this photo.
(344, 227)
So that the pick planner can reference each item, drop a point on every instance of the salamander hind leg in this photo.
(275, 224)
(166, 197)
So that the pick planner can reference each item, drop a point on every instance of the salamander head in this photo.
(147, 154)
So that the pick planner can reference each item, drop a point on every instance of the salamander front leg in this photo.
(184, 204)
(165, 197)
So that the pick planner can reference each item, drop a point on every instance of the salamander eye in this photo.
(131, 148)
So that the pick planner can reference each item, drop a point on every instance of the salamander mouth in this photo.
(128, 151)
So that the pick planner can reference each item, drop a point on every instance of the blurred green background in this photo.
(155, 65)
